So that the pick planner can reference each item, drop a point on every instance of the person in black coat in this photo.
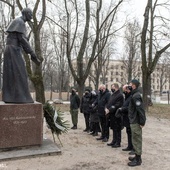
(115, 102)
(94, 119)
(85, 109)
(123, 111)
(101, 102)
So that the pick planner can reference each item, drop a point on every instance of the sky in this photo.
(134, 9)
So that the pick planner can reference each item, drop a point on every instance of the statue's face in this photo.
(28, 16)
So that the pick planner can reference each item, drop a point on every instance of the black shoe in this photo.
(132, 158)
(95, 134)
(111, 144)
(105, 140)
(136, 162)
(101, 138)
(74, 127)
(127, 149)
(88, 131)
(85, 130)
(116, 145)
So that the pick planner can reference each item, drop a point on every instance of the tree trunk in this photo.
(39, 89)
(80, 89)
(145, 87)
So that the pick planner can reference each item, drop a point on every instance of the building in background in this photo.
(117, 71)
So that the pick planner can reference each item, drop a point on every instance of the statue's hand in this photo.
(35, 59)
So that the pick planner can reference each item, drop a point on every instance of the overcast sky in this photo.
(136, 8)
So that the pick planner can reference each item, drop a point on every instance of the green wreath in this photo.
(55, 121)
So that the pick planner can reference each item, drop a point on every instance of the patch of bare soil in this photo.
(82, 151)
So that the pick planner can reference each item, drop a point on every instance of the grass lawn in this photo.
(160, 111)
(157, 110)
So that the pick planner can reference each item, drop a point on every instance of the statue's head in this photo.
(27, 14)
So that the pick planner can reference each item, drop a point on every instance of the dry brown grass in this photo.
(160, 111)
(157, 110)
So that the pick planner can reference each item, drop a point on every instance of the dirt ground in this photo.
(82, 151)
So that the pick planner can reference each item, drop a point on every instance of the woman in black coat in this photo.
(94, 118)
(85, 109)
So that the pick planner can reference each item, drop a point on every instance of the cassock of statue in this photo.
(15, 84)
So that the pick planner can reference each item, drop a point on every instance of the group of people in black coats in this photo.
(90, 112)
(104, 111)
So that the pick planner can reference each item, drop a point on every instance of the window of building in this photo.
(117, 79)
(117, 73)
(111, 79)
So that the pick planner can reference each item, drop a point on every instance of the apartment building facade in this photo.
(117, 71)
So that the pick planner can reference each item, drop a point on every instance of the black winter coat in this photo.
(102, 101)
(85, 104)
(136, 109)
(115, 102)
(93, 110)
(124, 110)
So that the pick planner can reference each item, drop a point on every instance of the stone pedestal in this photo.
(21, 124)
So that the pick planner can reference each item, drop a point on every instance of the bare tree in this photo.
(100, 67)
(154, 36)
(132, 47)
(76, 46)
(59, 45)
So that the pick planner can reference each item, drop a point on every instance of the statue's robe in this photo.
(15, 79)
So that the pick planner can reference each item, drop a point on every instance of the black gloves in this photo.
(35, 59)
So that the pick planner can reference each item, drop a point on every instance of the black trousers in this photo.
(116, 127)
(129, 137)
(104, 127)
(95, 127)
(87, 121)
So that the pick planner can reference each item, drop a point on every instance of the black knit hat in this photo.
(135, 82)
